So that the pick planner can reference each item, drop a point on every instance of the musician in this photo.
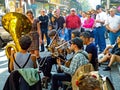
(45, 64)
(79, 58)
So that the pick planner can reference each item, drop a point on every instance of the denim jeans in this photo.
(99, 35)
(56, 78)
(44, 31)
(113, 37)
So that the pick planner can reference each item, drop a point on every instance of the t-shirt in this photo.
(60, 21)
(116, 50)
(92, 49)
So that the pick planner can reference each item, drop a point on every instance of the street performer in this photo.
(57, 49)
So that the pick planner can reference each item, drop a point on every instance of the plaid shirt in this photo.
(78, 60)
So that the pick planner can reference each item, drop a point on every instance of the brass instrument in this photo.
(17, 25)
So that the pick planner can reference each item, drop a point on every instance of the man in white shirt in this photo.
(113, 25)
(99, 30)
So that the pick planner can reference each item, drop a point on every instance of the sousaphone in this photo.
(17, 25)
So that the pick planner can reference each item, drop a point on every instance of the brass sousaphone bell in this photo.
(17, 25)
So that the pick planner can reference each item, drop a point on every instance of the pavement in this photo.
(114, 74)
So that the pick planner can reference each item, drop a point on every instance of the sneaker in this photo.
(107, 69)
(46, 46)
(42, 51)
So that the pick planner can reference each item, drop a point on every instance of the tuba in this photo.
(17, 25)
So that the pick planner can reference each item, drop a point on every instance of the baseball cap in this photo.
(98, 7)
(72, 9)
(77, 41)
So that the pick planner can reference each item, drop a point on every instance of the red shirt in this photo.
(73, 22)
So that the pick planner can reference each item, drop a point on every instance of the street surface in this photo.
(114, 74)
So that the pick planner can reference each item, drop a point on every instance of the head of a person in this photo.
(56, 13)
(93, 11)
(25, 42)
(42, 12)
(83, 14)
(73, 11)
(85, 36)
(118, 39)
(50, 10)
(76, 43)
(52, 33)
(64, 13)
(29, 14)
(75, 34)
(112, 11)
(53, 19)
(98, 8)
(88, 14)
(88, 82)
(80, 12)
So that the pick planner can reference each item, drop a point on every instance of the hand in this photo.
(12, 51)
(41, 41)
(114, 31)
(40, 22)
(108, 55)
(109, 47)
(58, 61)
(97, 21)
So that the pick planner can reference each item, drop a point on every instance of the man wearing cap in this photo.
(73, 22)
(43, 20)
(79, 59)
(113, 25)
(99, 30)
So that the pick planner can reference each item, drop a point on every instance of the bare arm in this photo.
(108, 28)
(34, 61)
(89, 56)
(39, 32)
(107, 49)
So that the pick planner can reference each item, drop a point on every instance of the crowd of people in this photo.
(85, 37)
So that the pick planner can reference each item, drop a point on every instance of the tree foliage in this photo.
(2, 2)
(75, 4)
(85, 5)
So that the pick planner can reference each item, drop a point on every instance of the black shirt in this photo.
(116, 50)
(44, 21)
(60, 21)
(92, 49)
